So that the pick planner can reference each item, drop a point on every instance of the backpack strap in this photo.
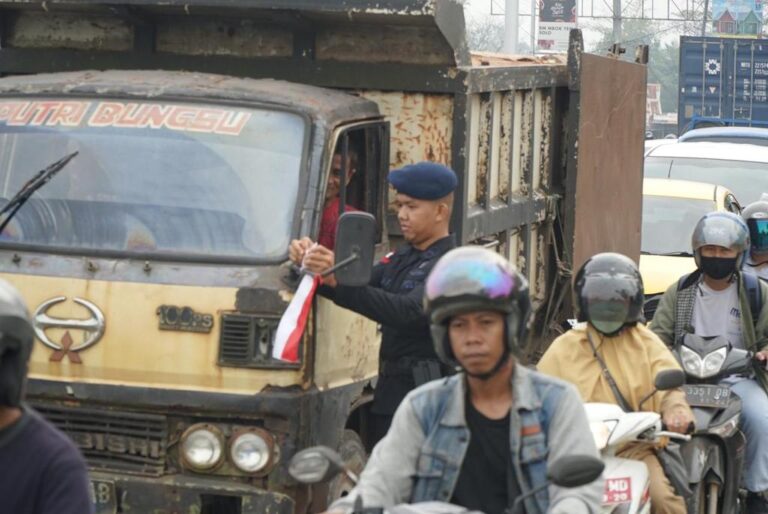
(688, 280)
(754, 294)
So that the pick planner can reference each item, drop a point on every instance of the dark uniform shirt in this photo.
(394, 299)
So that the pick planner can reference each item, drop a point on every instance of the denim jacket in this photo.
(421, 456)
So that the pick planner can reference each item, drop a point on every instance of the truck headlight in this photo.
(251, 451)
(702, 368)
(201, 446)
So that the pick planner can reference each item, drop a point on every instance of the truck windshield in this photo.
(151, 178)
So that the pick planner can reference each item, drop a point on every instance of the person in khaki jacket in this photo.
(609, 296)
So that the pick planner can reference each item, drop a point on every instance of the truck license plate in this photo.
(103, 496)
(704, 395)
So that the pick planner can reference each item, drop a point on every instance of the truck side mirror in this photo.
(669, 379)
(355, 243)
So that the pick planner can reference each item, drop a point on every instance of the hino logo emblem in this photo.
(93, 328)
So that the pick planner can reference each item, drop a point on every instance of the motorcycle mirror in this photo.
(315, 465)
(665, 380)
(575, 470)
(355, 242)
(669, 379)
(567, 471)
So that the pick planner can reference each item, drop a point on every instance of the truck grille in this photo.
(246, 340)
(114, 441)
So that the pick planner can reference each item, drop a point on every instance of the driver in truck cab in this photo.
(720, 299)
(611, 357)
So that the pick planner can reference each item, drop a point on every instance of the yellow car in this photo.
(671, 209)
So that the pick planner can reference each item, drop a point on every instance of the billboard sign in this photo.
(556, 19)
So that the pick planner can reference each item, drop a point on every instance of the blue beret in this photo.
(424, 180)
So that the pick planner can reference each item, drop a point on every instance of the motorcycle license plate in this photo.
(617, 490)
(704, 395)
(103, 497)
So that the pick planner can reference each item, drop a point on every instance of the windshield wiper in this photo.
(669, 254)
(27, 190)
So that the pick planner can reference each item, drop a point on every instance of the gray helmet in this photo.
(756, 217)
(724, 229)
(16, 338)
(469, 279)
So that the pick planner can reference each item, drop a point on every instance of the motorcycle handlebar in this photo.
(673, 435)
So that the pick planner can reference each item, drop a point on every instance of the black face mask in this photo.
(718, 267)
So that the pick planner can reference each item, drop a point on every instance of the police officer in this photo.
(394, 295)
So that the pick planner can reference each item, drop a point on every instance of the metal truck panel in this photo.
(420, 125)
(608, 208)
(723, 80)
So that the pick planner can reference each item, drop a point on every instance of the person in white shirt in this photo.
(715, 300)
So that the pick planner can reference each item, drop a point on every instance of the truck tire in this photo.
(352, 451)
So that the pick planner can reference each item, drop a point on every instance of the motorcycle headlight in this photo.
(691, 361)
(727, 428)
(601, 432)
(713, 362)
(702, 368)
(201, 447)
(251, 451)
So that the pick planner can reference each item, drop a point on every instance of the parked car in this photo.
(743, 135)
(671, 209)
(742, 168)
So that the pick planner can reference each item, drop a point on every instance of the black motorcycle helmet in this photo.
(609, 292)
(469, 279)
(16, 338)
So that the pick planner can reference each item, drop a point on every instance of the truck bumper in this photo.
(180, 494)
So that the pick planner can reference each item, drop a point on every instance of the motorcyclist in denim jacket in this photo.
(485, 436)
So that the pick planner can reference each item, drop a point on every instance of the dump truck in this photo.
(155, 262)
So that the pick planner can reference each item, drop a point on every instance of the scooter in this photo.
(627, 482)
(715, 456)
(320, 464)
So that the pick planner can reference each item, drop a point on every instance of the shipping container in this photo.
(722, 81)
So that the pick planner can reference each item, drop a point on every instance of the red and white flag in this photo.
(291, 327)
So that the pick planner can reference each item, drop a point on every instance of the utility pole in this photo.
(510, 26)
(533, 26)
(704, 20)
(616, 21)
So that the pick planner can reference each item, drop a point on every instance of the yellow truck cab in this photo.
(155, 263)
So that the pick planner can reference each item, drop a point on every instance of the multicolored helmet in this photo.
(470, 279)
(756, 217)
